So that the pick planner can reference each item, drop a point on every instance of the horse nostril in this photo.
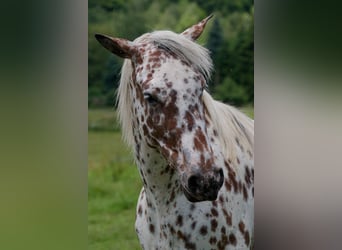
(221, 177)
(194, 182)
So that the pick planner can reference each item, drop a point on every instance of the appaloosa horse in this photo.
(194, 154)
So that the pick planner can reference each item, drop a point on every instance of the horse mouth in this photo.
(198, 198)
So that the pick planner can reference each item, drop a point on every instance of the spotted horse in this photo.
(194, 154)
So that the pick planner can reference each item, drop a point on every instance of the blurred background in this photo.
(113, 180)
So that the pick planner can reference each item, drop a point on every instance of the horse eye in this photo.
(152, 100)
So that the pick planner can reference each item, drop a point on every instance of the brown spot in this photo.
(247, 239)
(151, 227)
(203, 230)
(212, 240)
(232, 239)
(155, 53)
(173, 195)
(232, 179)
(228, 166)
(245, 194)
(221, 199)
(228, 185)
(186, 81)
(145, 129)
(201, 137)
(248, 176)
(190, 120)
(242, 227)
(193, 225)
(190, 245)
(228, 217)
(172, 230)
(140, 210)
(198, 144)
(179, 221)
(214, 212)
(155, 65)
(180, 235)
(215, 132)
(223, 242)
(213, 225)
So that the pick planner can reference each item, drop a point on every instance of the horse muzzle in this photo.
(203, 187)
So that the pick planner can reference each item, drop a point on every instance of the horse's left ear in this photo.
(118, 46)
(196, 30)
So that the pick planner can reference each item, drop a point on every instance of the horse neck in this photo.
(160, 179)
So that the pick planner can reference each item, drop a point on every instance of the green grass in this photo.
(113, 184)
(113, 189)
(102, 120)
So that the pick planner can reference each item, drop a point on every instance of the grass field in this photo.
(113, 188)
(113, 184)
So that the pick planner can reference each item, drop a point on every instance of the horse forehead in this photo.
(159, 69)
(155, 57)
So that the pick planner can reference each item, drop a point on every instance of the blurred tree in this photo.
(224, 6)
(229, 37)
(214, 44)
(191, 13)
(107, 5)
(111, 79)
(230, 92)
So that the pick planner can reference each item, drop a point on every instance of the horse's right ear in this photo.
(196, 30)
(118, 46)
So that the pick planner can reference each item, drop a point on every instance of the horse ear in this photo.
(118, 46)
(196, 30)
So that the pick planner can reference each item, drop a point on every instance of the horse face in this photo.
(169, 95)
(167, 102)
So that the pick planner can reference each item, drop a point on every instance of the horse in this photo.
(194, 154)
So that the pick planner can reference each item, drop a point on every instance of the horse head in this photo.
(168, 79)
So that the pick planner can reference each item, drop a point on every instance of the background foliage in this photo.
(229, 36)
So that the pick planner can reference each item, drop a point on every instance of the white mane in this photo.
(231, 124)
(226, 119)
